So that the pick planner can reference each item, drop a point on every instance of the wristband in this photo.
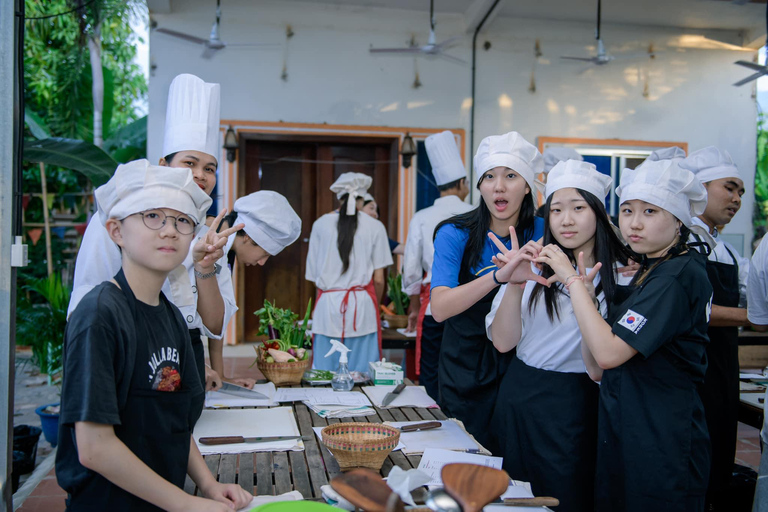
(571, 279)
(215, 271)
(494, 277)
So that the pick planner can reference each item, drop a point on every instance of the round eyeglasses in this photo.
(155, 219)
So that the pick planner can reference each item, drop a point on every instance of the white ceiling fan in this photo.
(214, 42)
(761, 70)
(432, 48)
(602, 56)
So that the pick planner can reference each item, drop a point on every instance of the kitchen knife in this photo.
(234, 389)
(538, 501)
(241, 439)
(390, 397)
(416, 427)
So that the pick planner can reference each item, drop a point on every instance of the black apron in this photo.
(199, 351)
(431, 339)
(471, 368)
(653, 448)
(156, 427)
(720, 391)
(546, 423)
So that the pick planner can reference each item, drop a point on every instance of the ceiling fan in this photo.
(214, 42)
(602, 56)
(431, 48)
(761, 70)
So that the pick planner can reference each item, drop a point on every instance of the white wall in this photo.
(333, 78)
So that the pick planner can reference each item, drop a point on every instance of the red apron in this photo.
(371, 289)
(424, 298)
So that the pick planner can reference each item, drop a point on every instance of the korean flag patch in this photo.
(632, 321)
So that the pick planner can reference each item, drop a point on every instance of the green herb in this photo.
(284, 324)
(318, 375)
(400, 299)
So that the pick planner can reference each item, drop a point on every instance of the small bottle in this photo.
(342, 381)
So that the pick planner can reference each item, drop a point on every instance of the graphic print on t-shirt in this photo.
(164, 370)
(632, 321)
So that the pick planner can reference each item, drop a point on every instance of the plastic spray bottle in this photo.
(342, 381)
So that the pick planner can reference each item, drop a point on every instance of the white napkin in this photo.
(260, 500)
(403, 482)
(332, 496)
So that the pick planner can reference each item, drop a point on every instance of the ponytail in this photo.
(347, 227)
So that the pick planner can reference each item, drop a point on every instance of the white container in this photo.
(384, 373)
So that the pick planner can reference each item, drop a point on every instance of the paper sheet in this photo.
(756, 376)
(322, 396)
(216, 399)
(411, 396)
(451, 436)
(753, 399)
(319, 433)
(405, 333)
(434, 459)
(261, 500)
(278, 421)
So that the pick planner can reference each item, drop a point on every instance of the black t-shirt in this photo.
(101, 365)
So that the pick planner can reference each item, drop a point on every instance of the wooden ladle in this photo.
(474, 486)
(366, 489)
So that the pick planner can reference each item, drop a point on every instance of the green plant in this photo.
(41, 323)
(395, 292)
(281, 325)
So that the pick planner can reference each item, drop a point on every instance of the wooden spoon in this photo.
(474, 486)
(366, 489)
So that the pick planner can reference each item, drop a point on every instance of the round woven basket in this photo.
(283, 374)
(360, 445)
(396, 321)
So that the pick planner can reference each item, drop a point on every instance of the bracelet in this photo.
(571, 279)
(494, 277)
(212, 273)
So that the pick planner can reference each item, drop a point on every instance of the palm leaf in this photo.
(83, 157)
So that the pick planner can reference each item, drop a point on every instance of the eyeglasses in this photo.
(155, 219)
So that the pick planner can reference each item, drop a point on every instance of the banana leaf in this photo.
(83, 157)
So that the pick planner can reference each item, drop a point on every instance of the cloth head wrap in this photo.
(580, 175)
(269, 220)
(353, 183)
(509, 150)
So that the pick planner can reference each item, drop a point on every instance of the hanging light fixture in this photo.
(407, 150)
(230, 144)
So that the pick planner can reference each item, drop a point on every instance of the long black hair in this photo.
(608, 249)
(231, 219)
(347, 227)
(681, 246)
(477, 222)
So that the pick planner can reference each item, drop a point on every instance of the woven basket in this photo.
(284, 374)
(360, 445)
(396, 321)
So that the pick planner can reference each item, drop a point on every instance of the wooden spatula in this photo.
(367, 490)
(474, 486)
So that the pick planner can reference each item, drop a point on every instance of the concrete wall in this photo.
(333, 79)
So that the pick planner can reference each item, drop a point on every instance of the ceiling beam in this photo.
(476, 11)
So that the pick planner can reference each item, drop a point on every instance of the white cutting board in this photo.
(278, 421)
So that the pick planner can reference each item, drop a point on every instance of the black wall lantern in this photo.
(407, 150)
(230, 144)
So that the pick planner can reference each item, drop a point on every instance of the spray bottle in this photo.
(342, 381)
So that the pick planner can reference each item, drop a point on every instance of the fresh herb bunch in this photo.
(280, 325)
(399, 298)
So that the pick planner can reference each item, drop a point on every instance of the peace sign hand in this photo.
(210, 248)
(509, 261)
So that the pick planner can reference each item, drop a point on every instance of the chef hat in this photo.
(139, 186)
(710, 164)
(553, 155)
(269, 220)
(367, 198)
(577, 174)
(353, 183)
(671, 153)
(445, 158)
(667, 185)
(192, 116)
(509, 150)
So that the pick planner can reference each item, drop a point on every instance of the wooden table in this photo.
(272, 473)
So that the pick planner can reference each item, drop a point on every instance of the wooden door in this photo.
(303, 171)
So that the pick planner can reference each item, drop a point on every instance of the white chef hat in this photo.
(269, 220)
(509, 150)
(353, 183)
(671, 153)
(368, 197)
(710, 164)
(192, 116)
(555, 154)
(667, 185)
(445, 158)
(577, 174)
(139, 186)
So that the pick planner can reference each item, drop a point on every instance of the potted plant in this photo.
(397, 314)
(285, 356)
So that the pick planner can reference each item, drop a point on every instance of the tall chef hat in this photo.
(269, 220)
(445, 158)
(710, 164)
(192, 116)
(139, 186)
(577, 174)
(509, 150)
(555, 154)
(667, 185)
(353, 183)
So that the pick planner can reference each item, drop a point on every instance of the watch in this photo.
(214, 272)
